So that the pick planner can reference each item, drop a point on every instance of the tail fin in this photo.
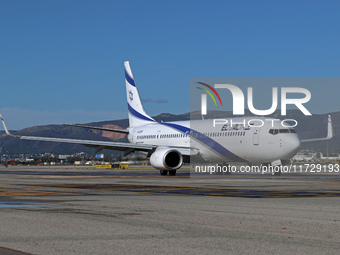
(137, 115)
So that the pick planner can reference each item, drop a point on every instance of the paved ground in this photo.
(76, 210)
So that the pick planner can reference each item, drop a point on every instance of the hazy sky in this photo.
(62, 61)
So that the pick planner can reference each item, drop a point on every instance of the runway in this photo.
(83, 210)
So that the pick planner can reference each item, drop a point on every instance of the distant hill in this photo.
(309, 127)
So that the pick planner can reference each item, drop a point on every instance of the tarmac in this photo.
(84, 210)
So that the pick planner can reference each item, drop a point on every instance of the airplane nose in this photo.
(292, 145)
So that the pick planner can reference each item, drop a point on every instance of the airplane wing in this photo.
(100, 128)
(100, 145)
(329, 133)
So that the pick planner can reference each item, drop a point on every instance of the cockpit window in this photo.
(282, 131)
(274, 131)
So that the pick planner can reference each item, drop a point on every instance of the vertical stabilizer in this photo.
(137, 115)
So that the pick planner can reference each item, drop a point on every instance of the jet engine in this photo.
(166, 159)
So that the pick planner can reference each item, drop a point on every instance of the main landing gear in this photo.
(165, 172)
(223, 169)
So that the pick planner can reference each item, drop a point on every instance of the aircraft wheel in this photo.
(163, 172)
(223, 166)
(228, 172)
(277, 173)
(173, 172)
(218, 172)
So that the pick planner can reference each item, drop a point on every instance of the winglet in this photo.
(5, 127)
(329, 128)
(329, 133)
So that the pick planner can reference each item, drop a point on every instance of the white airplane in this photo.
(169, 144)
(329, 158)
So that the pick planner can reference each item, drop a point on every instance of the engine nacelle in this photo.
(166, 159)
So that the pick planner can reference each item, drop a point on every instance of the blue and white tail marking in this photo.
(137, 115)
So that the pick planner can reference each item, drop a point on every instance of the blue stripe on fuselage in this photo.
(211, 143)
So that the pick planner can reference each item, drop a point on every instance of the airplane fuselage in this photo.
(223, 142)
